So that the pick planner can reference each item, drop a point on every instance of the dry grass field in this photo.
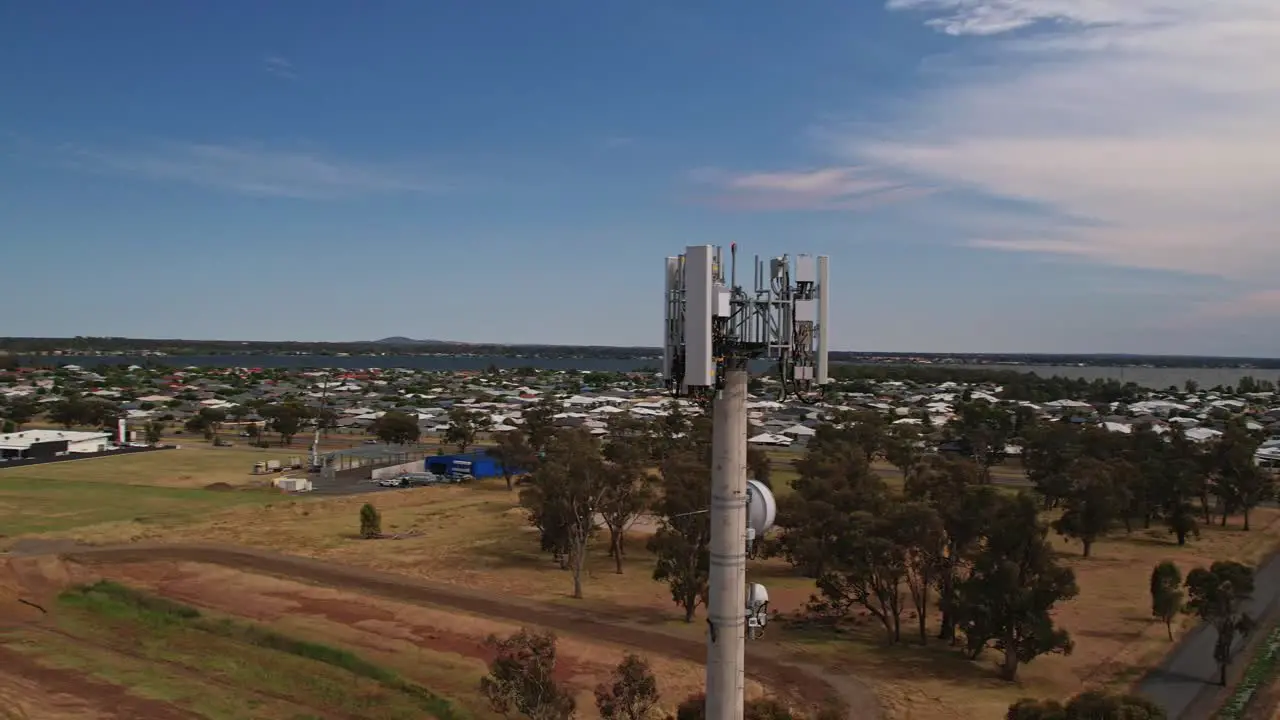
(441, 648)
(193, 465)
(155, 490)
(477, 537)
(1116, 638)
(82, 664)
(98, 653)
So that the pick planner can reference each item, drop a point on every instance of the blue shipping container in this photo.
(482, 465)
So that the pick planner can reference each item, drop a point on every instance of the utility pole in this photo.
(726, 619)
(711, 330)
(315, 460)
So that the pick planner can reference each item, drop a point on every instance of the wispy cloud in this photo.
(1151, 123)
(280, 67)
(253, 170)
(832, 188)
(1260, 305)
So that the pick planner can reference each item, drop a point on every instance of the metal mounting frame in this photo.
(710, 325)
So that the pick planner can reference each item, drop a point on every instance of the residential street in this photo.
(1188, 676)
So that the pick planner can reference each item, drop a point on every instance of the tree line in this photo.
(949, 557)
(522, 682)
(1017, 385)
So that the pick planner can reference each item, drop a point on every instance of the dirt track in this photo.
(68, 694)
(763, 662)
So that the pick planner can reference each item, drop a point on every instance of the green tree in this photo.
(867, 430)
(1009, 596)
(564, 496)
(867, 568)
(1217, 596)
(462, 429)
(920, 531)
(1238, 481)
(198, 424)
(397, 427)
(835, 481)
(673, 431)
(21, 411)
(154, 431)
(284, 419)
(68, 412)
(1150, 489)
(627, 493)
(1094, 503)
(902, 447)
(212, 421)
(952, 486)
(759, 466)
(1048, 453)
(682, 544)
(370, 521)
(539, 423)
(1166, 594)
(521, 679)
(985, 429)
(513, 455)
(630, 693)
(694, 707)
(1092, 705)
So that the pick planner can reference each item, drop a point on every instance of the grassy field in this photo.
(193, 465)
(31, 504)
(137, 495)
(476, 536)
(214, 667)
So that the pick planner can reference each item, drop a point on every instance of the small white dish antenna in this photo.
(762, 508)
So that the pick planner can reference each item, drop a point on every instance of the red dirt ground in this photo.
(764, 665)
(32, 691)
(188, 584)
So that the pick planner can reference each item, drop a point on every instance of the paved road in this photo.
(1187, 679)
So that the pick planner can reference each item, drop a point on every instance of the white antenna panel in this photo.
(673, 318)
(710, 322)
(700, 366)
(824, 304)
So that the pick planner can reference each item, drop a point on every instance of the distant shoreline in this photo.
(1151, 377)
(45, 351)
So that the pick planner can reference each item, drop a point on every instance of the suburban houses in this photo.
(353, 400)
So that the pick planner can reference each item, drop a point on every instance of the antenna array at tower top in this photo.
(712, 323)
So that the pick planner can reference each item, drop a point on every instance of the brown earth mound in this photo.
(29, 584)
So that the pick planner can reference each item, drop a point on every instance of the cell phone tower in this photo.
(712, 329)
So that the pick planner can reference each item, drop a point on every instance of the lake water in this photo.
(1151, 377)
(1146, 376)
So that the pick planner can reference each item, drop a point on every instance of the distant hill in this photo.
(401, 340)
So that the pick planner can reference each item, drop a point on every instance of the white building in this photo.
(48, 443)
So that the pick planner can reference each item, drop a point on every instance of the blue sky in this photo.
(986, 175)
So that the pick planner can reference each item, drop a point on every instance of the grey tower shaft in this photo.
(726, 607)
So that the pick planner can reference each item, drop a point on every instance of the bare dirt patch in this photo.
(394, 633)
(591, 642)
(31, 691)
